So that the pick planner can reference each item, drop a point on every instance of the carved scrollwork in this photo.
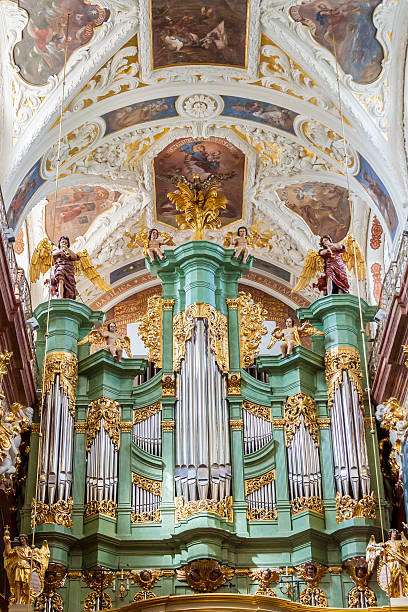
(205, 575)
(153, 486)
(261, 514)
(91, 601)
(251, 324)
(296, 406)
(220, 508)
(357, 568)
(66, 365)
(262, 412)
(338, 360)
(60, 513)
(106, 507)
(108, 410)
(347, 507)
(300, 504)
(150, 329)
(253, 484)
(312, 573)
(141, 414)
(152, 516)
(183, 325)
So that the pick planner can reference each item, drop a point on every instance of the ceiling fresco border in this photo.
(194, 72)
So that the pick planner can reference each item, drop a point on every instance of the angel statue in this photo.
(67, 265)
(25, 567)
(251, 237)
(150, 241)
(332, 261)
(392, 575)
(291, 335)
(114, 342)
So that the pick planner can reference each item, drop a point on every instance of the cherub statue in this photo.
(248, 237)
(361, 595)
(312, 573)
(150, 241)
(114, 342)
(291, 335)
(265, 577)
(20, 563)
(392, 575)
(332, 261)
(67, 265)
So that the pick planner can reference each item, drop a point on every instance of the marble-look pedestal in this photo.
(21, 608)
(399, 601)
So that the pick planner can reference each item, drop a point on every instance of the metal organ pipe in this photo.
(101, 468)
(257, 432)
(303, 464)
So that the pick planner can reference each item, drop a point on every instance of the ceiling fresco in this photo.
(140, 112)
(346, 29)
(41, 51)
(254, 110)
(189, 156)
(323, 206)
(75, 209)
(28, 186)
(191, 32)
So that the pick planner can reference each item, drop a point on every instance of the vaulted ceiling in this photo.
(301, 102)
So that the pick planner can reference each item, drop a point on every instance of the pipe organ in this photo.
(202, 460)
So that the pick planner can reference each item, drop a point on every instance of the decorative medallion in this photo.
(205, 575)
(199, 106)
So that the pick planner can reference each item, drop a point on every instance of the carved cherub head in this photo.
(242, 232)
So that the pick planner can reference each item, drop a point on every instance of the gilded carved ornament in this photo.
(236, 424)
(152, 486)
(254, 484)
(296, 406)
(105, 507)
(357, 568)
(60, 513)
(150, 516)
(232, 303)
(150, 329)
(262, 412)
(66, 366)
(92, 601)
(141, 414)
(302, 504)
(205, 575)
(220, 508)
(12, 424)
(81, 427)
(392, 416)
(265, 577)
(261, 514)
(183, 325)
(312, 573)
(55, 577)
(234, 383)
(392, 573)
(251, 324)
(168, 425)
(126, 426)
(168, 385)
(168, 304)
(347, 507)
(107, 410)
(341, 359)
(4, 362)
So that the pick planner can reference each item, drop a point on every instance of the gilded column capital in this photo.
(168, 425)
(81, 427)
(236, 424)
(168, 304)
(126, 426)
(232, 303)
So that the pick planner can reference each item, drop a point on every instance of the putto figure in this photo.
(67, 265)
(21, 564)
(248, 237)
(392, 575)
(291, 335)
(241, 244)
(332, 261)
(114, 342)
(150, 241)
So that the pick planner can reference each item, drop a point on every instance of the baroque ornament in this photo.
(65, 365)
(361, 595)
(251, 323)
(150, 329)
(12, 424)
(262, 412)
(254, 484)
(347, 507)
(168, 385)
(60, 513)
(106, 410)
(341, 359)
(220, 508)
(265, 577)
(141, 414)
(296, 406)
(153, 486)
(302, 504)
(205, 575)
(261, 514)
(199, 106)
(392, 574)
(183, 325)
(312, 573)
(55, 577)
(152, 516)
(234, 383)
(105, 507)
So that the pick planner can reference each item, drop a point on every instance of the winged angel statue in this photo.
(332, 261)
(392, 574)
(67, 265)
(251, 237)
(150, 241)
(291, 334)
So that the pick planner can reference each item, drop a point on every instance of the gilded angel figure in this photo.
(392, 574)
(114, 342)
(67, 265)
(332, 261)
(291, 334)
(248, 237)
(150, 241)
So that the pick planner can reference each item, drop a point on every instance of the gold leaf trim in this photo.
(153, 486)
(298, 405)
(261, 514)
(252, 316)
(151, 329)
(234, 383)
(141, 414)
(278, 423)
(66, 365)
(347, 507)
(105, 507)
(108, 410)
(35, 428)
(60, 513)
(236, 424)
(220, 508)
(126, 426)
(81, 427)
(323, 423)
(254, 484)
(301, 504)
(262, 412)
(152, 516)
(338, 360)
(168, 425)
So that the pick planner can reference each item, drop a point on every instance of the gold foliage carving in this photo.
(313, 596)
(347, 507)
(236, 424)
(4, 362)
(108, 410)
(91, 601)
(183, 325)
(300, 504)
(153, 486)
(296, 406)
(53, 601)
(150, 329)
(205, 575)
(126, 426)
(234, 383)
(168, 425)
(60, 513)
(262, 412)
(141, 414)
(142, 595)
(220, 508)
(146, 579)
(168, 385)
(81, 427)
(341, 359)
(106, 507)
(232, 303)
(66, 365)
(253, 484)
(93, 578)
(12, 424)
(251, 324)
(261, 514)
(312, 573)
(150, 516)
